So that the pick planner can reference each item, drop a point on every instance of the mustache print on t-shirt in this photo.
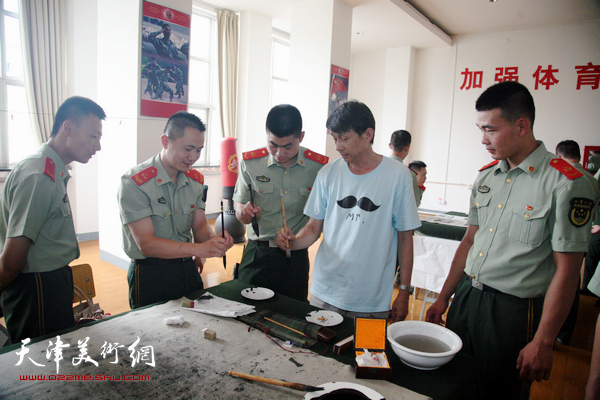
(364, 203)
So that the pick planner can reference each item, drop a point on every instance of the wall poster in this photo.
(338, 87)
(165, 64)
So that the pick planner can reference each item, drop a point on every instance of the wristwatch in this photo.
(409, 289)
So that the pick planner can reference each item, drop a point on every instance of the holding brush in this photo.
(271, 181)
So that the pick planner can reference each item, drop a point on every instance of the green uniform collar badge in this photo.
(483, 189)
(580, 211)
(263, 178)
(162, 200)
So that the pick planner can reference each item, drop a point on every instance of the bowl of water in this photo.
(423, 345)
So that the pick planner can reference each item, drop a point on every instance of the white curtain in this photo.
(43, 34)
(228, 36)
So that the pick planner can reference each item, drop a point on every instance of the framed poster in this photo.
(164, 66)
(591, 159)
(338, 87)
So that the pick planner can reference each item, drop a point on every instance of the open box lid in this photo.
(370, 333)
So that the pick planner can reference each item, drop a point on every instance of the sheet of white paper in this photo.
(432, 259)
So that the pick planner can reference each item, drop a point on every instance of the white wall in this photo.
(254, 80)
(81, 81)
(442, 117)
(320, 36)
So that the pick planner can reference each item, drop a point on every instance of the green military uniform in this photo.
(177, 75)
(35, 205)
(164, 47)
(147, 191)
(418, 191)
(263, 263)
(416, 188)
(524, 215)
(566, 332)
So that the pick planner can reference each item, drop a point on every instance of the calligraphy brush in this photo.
(290, 385)
(254, 221)
(288, 253)
(223, 233)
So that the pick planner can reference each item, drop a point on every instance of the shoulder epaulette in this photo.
(195, 175)
(311, 155)
(49, 168)
(565, 168)
(142, 177)
(489, 165)
(251, 155)
(422, 188)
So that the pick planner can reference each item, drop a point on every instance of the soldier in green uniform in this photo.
(162, 78)
(516, 270)
(151, 69)
(400, 145)
(37, 235)
(177, 76)
(164, 46)
(165, 231)
(569, 151)
(282, 166)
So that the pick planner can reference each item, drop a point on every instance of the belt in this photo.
(480, 286)
(265, 243)
(153, 260)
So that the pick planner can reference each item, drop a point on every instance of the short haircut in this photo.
(417, 165)
(400, 139)
(75, 108)
(568, 149)
(512, 98)
(179, 121)
(351, 115)
(284, 120)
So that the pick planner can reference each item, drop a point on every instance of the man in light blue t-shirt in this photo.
(364, 205)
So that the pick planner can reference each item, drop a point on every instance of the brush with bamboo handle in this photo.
(290, 385)
(287, 327)
(288, 253)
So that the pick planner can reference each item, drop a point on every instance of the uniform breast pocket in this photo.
(184, 220)
(265, 196)
(528, 225)
(483, 208)
(59, 221)
(297, 202)
(161, 219)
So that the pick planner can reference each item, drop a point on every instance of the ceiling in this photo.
(430, 23)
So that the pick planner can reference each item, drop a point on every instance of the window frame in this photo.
(211, 109)
(283, 38)
(6, 82)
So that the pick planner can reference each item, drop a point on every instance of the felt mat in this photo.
(185, 365)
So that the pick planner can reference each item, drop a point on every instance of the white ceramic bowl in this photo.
(421, 359)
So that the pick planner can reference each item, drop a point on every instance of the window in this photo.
(203, 80)
(16, 135)
(280, 62)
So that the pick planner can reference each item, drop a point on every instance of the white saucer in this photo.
(258, 293)
(324, 318)
(331, 386)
